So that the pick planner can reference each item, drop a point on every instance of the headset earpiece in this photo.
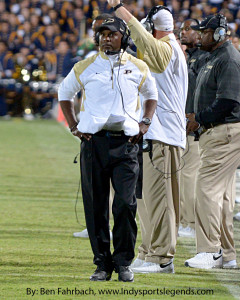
(97, 35)
(220, 32)
(125, 39)
(126, 35)
(148, 24)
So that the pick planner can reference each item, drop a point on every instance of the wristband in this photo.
(75, 131)
(73, 127)
(117, 6)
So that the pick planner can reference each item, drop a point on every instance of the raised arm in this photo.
(120, 12)
(155, 52)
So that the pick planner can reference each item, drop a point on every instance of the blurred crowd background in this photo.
(40, 40)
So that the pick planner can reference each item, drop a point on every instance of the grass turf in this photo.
(38, 184)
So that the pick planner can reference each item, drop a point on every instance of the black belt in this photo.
(109, 133)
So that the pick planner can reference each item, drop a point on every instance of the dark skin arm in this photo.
(149, 109)
(69, 113)
(192, 124)
(220, 109)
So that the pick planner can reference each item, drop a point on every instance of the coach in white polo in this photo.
(111, 81)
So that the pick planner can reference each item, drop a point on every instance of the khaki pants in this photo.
(188, 174)
(160, 214)
(220, 157)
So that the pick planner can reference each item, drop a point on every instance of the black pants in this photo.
(108, 156)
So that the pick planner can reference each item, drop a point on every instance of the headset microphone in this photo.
(108, 52)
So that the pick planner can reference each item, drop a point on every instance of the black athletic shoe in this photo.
(101, 275)
(125, 274)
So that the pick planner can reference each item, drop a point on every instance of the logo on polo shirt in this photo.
(127, 72)
(209, 67)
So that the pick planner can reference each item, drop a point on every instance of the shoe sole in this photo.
(149, 272)
(107, 279)
(126, 280)
(100, 280)
(159, 272)
(233, 267)
(201, 267)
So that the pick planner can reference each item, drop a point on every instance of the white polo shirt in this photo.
(110, 92)
(168, 66)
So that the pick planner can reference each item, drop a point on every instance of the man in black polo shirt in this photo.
(196, 58)
(217, 113)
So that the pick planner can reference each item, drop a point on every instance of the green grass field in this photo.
(38, 185)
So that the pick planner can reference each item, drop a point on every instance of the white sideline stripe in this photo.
(41, 275)
(229, 275)
(233, 289)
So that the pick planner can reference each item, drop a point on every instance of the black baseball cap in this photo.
(212, 21)
(113, 24)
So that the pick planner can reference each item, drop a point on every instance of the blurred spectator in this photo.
(53, 17)
(59, 63)
(48, 40)
(24, 15)
(26, 35)
(5, 31)
(6, 71)
(235, 41)
(13, 22)
(6, 62)
(2, 9)
(35, 24)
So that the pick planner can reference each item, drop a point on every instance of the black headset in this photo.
(220, 32)
(148, 23)
(97, 34)
(196, 20)
(125, 38)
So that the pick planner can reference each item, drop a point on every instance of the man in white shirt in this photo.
(166, 135)
(111, 81)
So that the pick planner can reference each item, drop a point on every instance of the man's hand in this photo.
(113, 3)
(81, 135)
(142, 130)
(192, 124)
